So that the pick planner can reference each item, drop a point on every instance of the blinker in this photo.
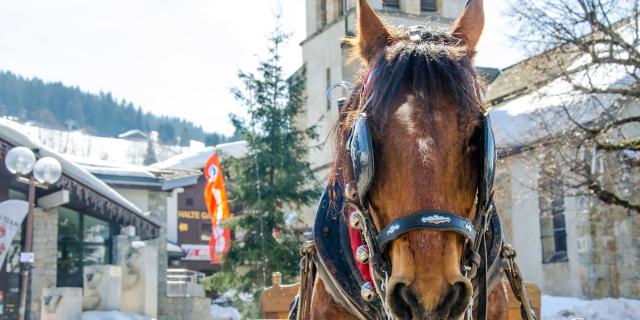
(489, 163)
(361, 151)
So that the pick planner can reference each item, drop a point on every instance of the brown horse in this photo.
(424, 111)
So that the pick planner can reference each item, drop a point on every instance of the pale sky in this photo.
(170, 57)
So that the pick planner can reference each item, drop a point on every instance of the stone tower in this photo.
(326, 57)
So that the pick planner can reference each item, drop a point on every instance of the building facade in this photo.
(156, 191)
(84, 231)
(569, 242)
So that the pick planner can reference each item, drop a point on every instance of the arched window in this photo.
(552, 221)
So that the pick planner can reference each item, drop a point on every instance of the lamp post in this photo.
(21, 162)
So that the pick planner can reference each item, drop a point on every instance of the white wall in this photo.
(521, 215)
(139, 197)
(172, 215)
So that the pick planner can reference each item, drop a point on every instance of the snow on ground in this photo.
(113, 315)
(224, 313)
(564, 308)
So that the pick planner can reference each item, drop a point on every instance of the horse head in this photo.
(423, 105)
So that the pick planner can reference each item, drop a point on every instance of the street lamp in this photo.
(47, 170)
(21, 162)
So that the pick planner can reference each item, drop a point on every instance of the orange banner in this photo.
(215, 198)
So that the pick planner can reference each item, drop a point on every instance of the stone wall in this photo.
(610, 259)
(45, 251)
(602, 241)
(186, 308)
(158, 209)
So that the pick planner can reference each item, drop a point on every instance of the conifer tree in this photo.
(275, 177)
(150, 157)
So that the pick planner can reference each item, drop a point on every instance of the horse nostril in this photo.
(456, 301)
(404, 302)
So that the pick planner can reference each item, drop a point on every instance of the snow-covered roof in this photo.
(112, 168)
(129, 175)
(135, 133)
(540, 113)
(196, 160)
(12, 133)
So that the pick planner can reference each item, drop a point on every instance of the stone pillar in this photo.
(410, 7)
(45, 252)
(140, 280)
(158, 208)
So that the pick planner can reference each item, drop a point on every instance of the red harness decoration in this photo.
(355, 240)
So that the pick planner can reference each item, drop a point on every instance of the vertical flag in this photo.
(215, 198)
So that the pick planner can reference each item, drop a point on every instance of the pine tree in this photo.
(150, 157)
(274, 177)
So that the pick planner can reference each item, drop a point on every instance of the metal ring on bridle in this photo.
(342, 84)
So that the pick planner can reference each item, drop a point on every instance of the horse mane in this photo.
(437, 68)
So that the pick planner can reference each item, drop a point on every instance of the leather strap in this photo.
(307, 280)
(481, 311)
(428, 220)
(517, 282)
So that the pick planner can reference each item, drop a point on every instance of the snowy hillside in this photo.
(80, 144)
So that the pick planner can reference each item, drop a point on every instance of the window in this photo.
(552, 220)
(428, 5)
(391, 4)
(205, 231)
(82, 241)
(321, 13)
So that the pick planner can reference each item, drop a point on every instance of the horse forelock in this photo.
(435, 71)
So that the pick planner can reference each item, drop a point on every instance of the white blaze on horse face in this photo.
(424, 147)
(404, 114)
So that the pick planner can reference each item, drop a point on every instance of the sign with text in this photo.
(196, 252)
(26, 257)
(194, 215)
(12, 213)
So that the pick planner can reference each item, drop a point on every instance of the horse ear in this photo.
(469, 25)
(373, 35)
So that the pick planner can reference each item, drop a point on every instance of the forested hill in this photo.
(57, 106)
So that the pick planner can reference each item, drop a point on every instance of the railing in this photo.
(184, 283)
